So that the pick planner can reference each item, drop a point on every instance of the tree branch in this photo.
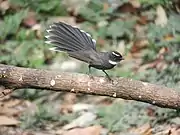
(17, 77)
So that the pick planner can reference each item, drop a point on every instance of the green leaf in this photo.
(11, 23)
(120, 28)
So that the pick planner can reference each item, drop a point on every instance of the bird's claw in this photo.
(109, 79)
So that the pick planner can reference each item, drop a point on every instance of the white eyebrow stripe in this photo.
(112, 62)
(115, 54)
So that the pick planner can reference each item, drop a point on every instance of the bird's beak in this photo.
(122, 59)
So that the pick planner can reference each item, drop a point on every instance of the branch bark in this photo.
(18, 77)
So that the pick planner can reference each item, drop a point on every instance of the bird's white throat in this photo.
(113, 62)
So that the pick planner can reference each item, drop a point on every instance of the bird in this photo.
(80, 45)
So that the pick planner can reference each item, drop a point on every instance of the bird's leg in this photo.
(89, 69)
(107, 75)
(90, 75)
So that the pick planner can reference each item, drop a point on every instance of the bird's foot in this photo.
(109, 79)
(90, 75)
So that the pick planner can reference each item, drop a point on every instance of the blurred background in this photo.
(146, 32)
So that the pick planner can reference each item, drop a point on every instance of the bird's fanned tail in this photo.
(64, 37)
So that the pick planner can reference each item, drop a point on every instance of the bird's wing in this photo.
(68, 38)
(89, 56)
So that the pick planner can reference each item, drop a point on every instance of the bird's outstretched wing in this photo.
(67, 38)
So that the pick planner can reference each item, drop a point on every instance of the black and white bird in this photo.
(80, 45)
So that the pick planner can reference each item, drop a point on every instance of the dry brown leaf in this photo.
(93, 130)
(75, 5)
(135, 3)
(7, 110)
(143, 130)
(30, 20)
(164, 132)
(139, 44)
(12, 102)
(161, 66)
(5, 92)
(4, 120)
(66, 108)
(105, 6)
(69, 20)
(163, 50)
(38, 29)
(101, 42)
(126, 8)
(82, 121)
(143, 20)
(175, 131)
(147, 66)
(168, 37)
(70, 98)
(161, 18)
(4, 5)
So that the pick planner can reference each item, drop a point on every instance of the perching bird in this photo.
(80, 45)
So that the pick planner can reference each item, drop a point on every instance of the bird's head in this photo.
(115, 57)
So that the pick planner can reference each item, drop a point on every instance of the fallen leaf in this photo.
(30, 20)
(163, 50)
(82, 107)
(142, 130)
(126, 8)
(12, 102)
(101, 41)
(161, 18)
(147, 66)
(168, 37)
(38, 29)
(143, 20)
(93, 130)
(4, 120)
(5, 110)
(175, 131)
(70, 98)
(4, 5)
(69, 20)
(105, 6)
(75, 5)
(84, 120)
(66, 108)
(139, 44)
(135, 3)
(161, 66)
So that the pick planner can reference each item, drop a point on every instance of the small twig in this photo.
(4, 92)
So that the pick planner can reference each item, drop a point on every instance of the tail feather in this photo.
(62, 36)
(68, 38)
(86, 36)
(63, 42)
(79, 34)
(65, 32)
(57, 47)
